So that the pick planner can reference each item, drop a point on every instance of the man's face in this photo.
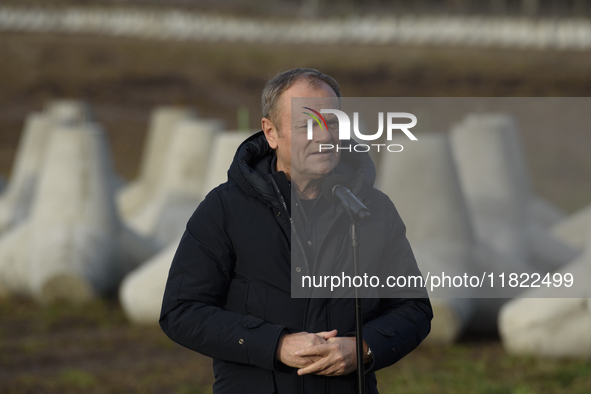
(297, 156)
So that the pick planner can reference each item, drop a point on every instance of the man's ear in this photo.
(270, 132)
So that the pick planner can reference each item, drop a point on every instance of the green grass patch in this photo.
(77, 378)
(482, 368)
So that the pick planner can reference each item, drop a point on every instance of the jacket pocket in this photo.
(241, 379)
(284, 310)
(256, 299)
(248, 321)
(236, 295)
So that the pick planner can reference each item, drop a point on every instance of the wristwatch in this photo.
(369, 355)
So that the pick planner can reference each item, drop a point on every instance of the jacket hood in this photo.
(252, 165)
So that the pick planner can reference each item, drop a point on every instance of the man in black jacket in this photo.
(228, 294)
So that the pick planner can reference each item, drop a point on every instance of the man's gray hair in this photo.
(282, 81)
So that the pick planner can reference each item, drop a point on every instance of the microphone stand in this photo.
(355, 239)
(335, 190)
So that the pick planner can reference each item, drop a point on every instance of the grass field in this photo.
(92, 349)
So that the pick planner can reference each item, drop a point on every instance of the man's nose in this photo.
(322, 135)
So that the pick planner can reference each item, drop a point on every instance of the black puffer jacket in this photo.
(228, 290)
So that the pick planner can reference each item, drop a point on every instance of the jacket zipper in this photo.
(293, 229)
(305, 322)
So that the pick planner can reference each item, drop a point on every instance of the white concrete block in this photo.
(15, 202)
(68, 111)
(135, 249)
(74, 222)
(142, 291)
(14, 268)
(547, 252)
(223, 151)
(506, 214)
(72, 246)
(132, 198)
(544, 213)
(493, 179)
(552, 327)
(423, 184)
(179, 190)
(573, 229)
(556, 337)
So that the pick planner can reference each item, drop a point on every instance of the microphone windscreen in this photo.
(328, 185)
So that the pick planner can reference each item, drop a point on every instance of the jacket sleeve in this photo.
(402, 322)
(192, 309)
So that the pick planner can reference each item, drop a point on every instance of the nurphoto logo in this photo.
(345, 129)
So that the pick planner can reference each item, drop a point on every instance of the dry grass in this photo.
(92, 349)
(69, 349)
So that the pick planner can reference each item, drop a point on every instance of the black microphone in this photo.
(335, 189)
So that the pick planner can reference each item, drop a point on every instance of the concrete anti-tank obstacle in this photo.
(68, 239)
(132, 198)
(224, 149)
(179, 188)
(506, 214)
(73, 246)
(68, 111)
(14, 264)
(573, 229)
(74, 221)
(142, 290)
(493, 179)
(422, 182)
(77, 112)
(16, 201)
(552, 327)
(544, 213)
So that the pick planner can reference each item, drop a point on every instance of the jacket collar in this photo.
(254, 158)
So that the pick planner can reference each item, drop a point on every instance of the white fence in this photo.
(526, 33)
